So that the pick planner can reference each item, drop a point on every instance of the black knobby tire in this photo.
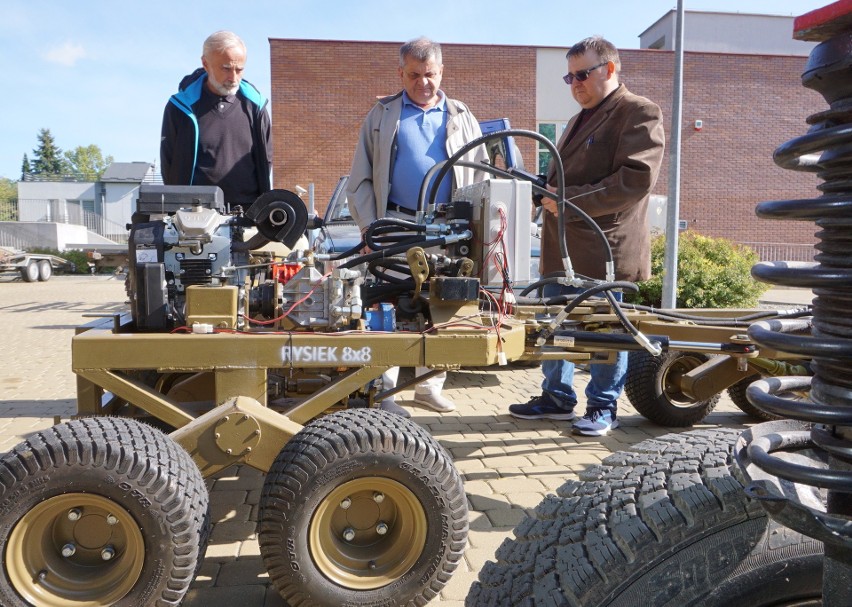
(737, 392)
(665, 525)
(325, 483)
(653, 388)
(124, 500)
(30, 272)
(45, 270)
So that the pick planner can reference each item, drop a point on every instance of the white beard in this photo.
(220, 88)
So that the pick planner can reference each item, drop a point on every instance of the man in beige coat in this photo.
(616, 142)
(402, 137)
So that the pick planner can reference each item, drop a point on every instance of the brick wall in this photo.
(321, 91)
(749, 105)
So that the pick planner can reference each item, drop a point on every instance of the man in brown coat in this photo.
(616, 142)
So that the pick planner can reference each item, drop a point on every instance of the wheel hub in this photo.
(367, 533)
(75, 549)
(672, 381)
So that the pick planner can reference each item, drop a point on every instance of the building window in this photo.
(553, 131)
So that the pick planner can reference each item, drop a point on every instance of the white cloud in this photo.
(67, 54)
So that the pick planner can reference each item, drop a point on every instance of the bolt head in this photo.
(111, 519)
(382, 528)
(107, 553)
(68, 550)
(349, 534)
(74, 514)
(346, 503)
(378, 497)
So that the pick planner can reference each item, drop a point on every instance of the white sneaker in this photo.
(436, 402)
(390, 406)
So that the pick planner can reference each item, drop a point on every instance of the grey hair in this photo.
(421, 49)
(604, 48)
(220, 41)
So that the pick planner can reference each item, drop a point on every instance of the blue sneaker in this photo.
(597, 422)
(541, 407)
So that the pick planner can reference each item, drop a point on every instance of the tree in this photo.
(8, 197)
(25, 166)
(48, 157)
(87, 161)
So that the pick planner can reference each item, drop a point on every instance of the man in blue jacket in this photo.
(216, 128)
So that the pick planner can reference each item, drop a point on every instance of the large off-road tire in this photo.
(362, 507)
(30, 272)
(45, 270)
(100, 511)
(667, 525)
(653, 388)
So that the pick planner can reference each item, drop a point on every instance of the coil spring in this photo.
(827, 432)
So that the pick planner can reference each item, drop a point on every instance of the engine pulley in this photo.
(280, 215)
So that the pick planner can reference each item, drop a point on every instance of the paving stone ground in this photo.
(508, 465)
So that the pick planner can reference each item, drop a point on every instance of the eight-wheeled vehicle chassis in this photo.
(244, 356)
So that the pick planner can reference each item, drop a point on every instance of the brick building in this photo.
(748, 105)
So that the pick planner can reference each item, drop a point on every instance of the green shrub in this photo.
(711, 273)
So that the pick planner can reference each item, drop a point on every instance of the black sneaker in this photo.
(541, 407)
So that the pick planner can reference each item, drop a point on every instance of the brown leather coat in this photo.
(620, 148)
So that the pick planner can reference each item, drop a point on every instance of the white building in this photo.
(744, 33)
(104, 207)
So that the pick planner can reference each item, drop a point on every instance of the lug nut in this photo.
(378, 497)
(107, 553)
(345, 503)
(42, 575)
(349, 534)
(111, 520)
(382, 528)
(74, 514)
(371, 564)
(68, 550)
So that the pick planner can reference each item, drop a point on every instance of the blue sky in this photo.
(98, 72)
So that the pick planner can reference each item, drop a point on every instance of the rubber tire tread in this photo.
(665, 525)
(136, 466)
(643, 388)
(737, 393)
(30, 272)
(45, 270)
(337, 448)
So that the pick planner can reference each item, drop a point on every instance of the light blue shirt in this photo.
(421, 143)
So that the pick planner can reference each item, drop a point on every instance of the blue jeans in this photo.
(607, 381)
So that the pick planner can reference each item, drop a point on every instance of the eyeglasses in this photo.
(582, 75)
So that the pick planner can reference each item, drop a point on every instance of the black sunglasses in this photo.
(582, 75)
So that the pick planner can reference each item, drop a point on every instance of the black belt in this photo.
(392, 206)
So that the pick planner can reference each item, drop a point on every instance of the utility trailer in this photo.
(31, 267)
